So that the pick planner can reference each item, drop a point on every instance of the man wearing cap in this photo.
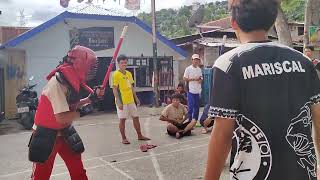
(193, 75)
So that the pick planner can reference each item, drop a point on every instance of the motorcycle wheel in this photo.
(27, 120)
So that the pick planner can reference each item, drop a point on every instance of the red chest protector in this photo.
(45, 116)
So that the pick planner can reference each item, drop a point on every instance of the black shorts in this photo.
(180, 127)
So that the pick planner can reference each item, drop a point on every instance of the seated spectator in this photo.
(205, 121)
(180, 90)
(168, 100)
(175, 114)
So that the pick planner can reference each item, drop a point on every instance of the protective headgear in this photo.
(83, 61)
(77, 67)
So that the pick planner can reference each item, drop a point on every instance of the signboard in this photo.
(314, 36)
(132, 4)
(95, 38)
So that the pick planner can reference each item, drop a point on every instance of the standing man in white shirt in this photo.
(193, 75)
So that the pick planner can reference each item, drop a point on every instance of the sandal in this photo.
(124, 141)
(144, 147)
(204, 131)
(151, 146)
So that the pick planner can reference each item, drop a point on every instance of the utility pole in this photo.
(155, 61)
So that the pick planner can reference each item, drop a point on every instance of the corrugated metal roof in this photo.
(212, 42)
(111, 10)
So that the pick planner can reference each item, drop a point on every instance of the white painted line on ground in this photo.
(92, 124)
(14, 134)
(137, 158)
(117, 169)
(110, 155)
(17, 173)
(105, 163)
(152, 154)
(159, 154)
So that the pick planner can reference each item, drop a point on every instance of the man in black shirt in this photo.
(266, 100)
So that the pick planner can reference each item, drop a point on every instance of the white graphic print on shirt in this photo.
(300, 142)
(253, 156)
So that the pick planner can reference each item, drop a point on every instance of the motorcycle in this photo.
(27, 103)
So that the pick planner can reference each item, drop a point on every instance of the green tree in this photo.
(294, 9)
(174, 23)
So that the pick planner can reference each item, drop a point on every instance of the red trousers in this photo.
(42, 171)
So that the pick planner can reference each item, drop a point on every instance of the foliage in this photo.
(294, 9)
(174, 23)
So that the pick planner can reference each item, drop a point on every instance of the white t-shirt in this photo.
(56, 93)
(193, 73)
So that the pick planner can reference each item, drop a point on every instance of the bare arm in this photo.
(172, 121)
(135, 96)
(188, 79)
(186, 116)
(200, 79)
(219, 147)
(84, 101)
(116, 95)
(315, 110)
(66, 118)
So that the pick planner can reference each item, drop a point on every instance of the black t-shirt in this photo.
(268, 88)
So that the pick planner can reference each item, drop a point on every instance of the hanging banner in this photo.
(64, 3)
(95, 38)
(132, 4)
(314, 36)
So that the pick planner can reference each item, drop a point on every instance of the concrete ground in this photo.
(106, 158)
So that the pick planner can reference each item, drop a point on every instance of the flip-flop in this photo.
(151, 146)
(144, 147)
(204, 131)
(125, 142)
(144, 139)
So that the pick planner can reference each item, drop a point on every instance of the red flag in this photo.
(132, 4)
(64, 3)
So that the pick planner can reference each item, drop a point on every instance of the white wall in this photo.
(46, 49)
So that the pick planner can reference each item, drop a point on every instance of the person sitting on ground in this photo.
(180, 90)
(176, 115)
(206, 121)
(168, 100)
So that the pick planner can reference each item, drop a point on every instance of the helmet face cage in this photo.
(84, 61)
(92, 72)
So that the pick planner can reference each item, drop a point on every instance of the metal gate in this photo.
(1, 90)
(207, 85)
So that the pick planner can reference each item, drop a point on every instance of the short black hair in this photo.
(309, 48)
(180, 85)
(177, 96)
(121, 57)
(252, 15)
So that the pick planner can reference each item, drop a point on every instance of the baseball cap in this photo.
(195, 56)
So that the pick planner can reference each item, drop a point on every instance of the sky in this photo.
(39, 11)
